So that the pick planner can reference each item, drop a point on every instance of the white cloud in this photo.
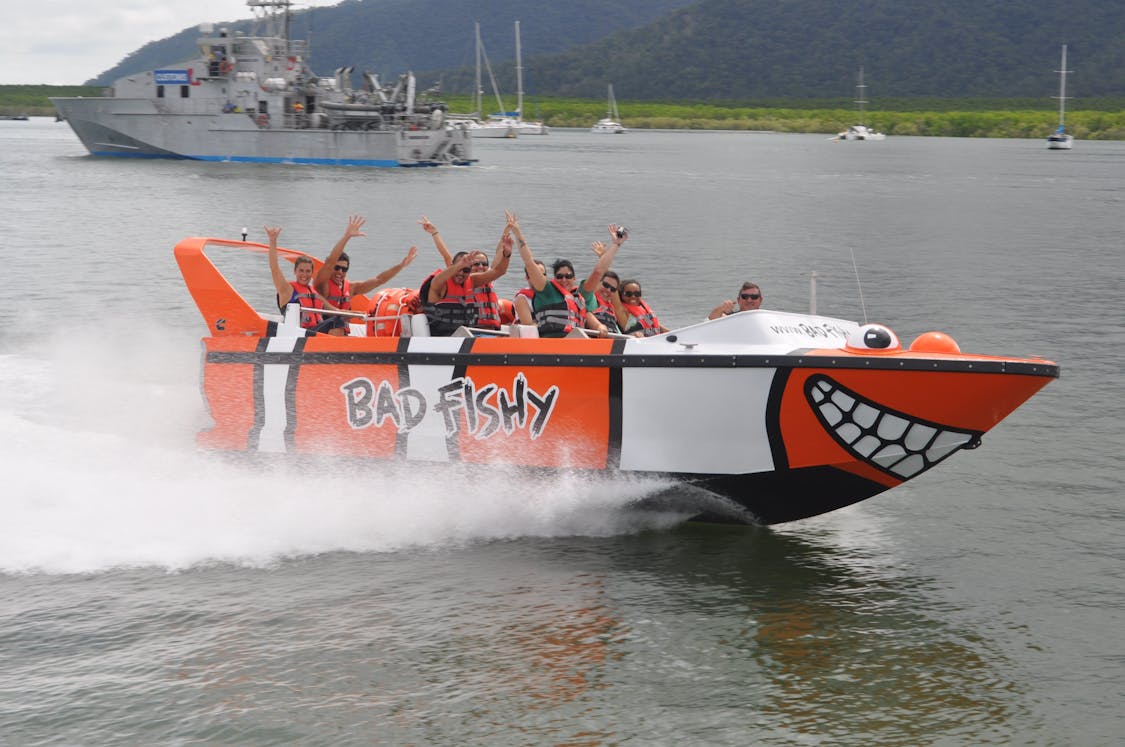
(67, 42)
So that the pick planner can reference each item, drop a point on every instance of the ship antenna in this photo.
(855, 267)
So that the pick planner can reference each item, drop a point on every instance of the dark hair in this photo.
(344, 256)
(611, 274)
(457, 256)
(561, 263)
(623, 283)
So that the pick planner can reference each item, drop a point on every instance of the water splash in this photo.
(104, 473)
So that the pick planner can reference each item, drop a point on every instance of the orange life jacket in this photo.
(644, 317)
(339, 297)
(488, 306)
(307, 298)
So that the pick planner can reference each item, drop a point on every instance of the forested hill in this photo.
(392, 36)
(732, 50)
(747, 49)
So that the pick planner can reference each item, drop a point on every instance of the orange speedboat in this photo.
(777, 416)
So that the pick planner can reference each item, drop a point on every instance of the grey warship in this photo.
(255, 99)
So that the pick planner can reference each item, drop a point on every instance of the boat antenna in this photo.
(859, 286)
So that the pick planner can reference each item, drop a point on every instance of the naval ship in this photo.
(255, 99)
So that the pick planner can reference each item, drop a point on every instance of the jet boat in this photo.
(774, 416)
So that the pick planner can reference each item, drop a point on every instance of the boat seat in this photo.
(523, 330)
(419, 325)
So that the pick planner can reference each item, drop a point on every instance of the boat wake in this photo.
(104, 474)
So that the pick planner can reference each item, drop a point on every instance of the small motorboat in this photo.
(775, 416)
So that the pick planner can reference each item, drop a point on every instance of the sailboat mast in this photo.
(478, 92)
(1062, 86)
(861, 93)
(519, 76)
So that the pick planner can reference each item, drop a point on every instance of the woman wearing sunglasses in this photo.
(634, 315)
(749, 299)
(560, 303)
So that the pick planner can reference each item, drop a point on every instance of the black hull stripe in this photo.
(615, 360)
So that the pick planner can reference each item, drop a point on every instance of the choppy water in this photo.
(150, 594)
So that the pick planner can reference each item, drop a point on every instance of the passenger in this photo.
(481, 276)
(332, 278)
(749, 299)
(604, 295)
(447, 297)
(560, 304)
(300, 290)
(525, 298)
(634, 315)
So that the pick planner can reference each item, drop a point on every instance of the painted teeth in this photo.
(893, 442)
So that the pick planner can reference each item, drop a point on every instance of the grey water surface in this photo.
(153, 594)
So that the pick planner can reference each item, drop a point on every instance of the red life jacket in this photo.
(307, 298)
(644, 317)
(488, 306)
(339, 297)
(457, 308)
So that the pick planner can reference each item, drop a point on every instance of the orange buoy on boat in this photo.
(387, 307)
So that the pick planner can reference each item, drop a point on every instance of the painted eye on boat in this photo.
(873, 337)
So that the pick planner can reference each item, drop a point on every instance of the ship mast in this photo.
(276, 15)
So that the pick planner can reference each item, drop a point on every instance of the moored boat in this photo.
(610, 124)
(860, 131)
(775, 416)
(255, 99)
(1060, 139)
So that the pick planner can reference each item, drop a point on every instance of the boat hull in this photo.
(135, 128)
(1060, 142)
(749, 428)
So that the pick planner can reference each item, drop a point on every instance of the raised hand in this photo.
(355, 227)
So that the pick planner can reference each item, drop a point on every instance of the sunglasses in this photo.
(341, 268)
(564, 276)
(608, 287)
(750, 296)
(631, 294)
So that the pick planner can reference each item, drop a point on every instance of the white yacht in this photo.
(611, 123)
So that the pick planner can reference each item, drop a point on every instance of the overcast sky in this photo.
(67, 42)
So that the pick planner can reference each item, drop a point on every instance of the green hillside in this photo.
(749, 49)
(391, 36)
(719, 50)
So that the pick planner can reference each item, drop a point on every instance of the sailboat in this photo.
(1060, 139)
(860, 131)
(522, 126)
(493, 127)
(611, 123)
